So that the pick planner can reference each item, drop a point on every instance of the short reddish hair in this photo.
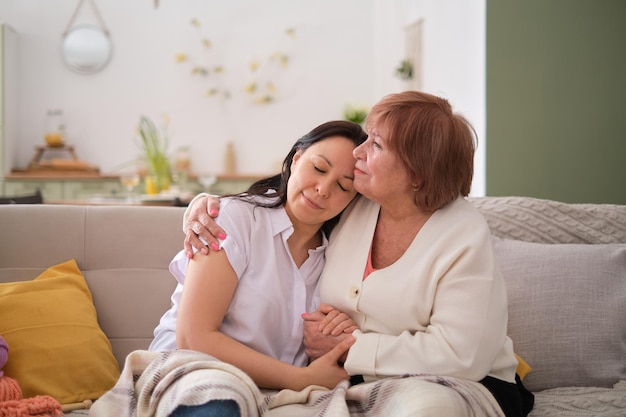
(435, 144)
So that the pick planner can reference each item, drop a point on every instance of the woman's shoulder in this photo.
(462, 208)
(461, 215)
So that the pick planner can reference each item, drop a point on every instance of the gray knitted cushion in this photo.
(546, 221)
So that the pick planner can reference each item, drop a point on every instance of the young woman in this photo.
(243, 304)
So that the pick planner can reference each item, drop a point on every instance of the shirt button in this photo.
(354, 291)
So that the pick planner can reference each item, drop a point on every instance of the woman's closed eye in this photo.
(342, 187)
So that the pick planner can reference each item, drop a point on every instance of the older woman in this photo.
(413, 265)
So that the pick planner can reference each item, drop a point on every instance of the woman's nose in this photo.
(322, 188)
(358, 151)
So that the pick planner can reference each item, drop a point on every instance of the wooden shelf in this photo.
(72, 164)
(42, 174)
(20, 174)
(236, 177)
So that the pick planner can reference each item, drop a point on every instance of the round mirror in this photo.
(86, 49)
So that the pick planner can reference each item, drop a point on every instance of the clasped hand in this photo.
(324, 329)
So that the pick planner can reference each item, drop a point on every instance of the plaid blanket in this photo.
(154, 384)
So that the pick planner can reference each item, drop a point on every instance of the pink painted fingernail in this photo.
(214, 246)
(213, 213)
(221, 236)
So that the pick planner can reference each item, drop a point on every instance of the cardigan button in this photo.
(354, 291)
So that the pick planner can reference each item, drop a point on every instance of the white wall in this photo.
(454, 56)
(345, 51)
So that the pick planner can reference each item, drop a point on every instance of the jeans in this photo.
(215, 408)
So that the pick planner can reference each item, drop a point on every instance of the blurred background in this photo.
(331, 54)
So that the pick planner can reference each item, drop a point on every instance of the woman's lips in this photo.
(311, 202)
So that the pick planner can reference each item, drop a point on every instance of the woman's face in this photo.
(379, 174)
(321, 181)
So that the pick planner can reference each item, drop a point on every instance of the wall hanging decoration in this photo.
(259, 82)
(410, 68)
(86, 48)
(236, 78)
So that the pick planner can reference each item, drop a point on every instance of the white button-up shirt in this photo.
(272, 293)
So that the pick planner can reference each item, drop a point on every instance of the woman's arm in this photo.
(210, 284)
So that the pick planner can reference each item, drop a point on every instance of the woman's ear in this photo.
(296, 156)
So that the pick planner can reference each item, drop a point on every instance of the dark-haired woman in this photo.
(243, 304)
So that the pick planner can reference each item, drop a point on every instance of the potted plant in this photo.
(355, 113)
(404, 70)
(154, 142)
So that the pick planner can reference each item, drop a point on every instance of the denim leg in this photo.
(215, 408)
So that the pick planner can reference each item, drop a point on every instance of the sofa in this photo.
(103, 283)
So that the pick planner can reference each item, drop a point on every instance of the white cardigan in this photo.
(439, 309)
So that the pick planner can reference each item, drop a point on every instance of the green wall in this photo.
(556, 99)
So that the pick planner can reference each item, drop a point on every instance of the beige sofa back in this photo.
(558, 260)
(122, 251)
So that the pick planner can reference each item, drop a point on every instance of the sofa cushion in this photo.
(56, 347)
(547, 221)
(567, 306)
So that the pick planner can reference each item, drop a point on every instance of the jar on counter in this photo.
(55, 128)
(182, 167)
(182, 159)
(230, 162)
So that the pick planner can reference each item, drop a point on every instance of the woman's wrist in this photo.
(190, 206)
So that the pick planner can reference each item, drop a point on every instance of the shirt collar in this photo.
(281, 224)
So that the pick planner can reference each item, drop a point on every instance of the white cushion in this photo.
(567, 311)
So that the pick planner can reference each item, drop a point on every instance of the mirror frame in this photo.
(87, 49)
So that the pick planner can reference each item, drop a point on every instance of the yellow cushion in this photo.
(56, 346)
(522, 367)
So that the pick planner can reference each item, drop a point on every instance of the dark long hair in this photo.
(278, 183)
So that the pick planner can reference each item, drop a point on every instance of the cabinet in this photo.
(61, 188)
(228, 184)
(77, 186)
(8, 98)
